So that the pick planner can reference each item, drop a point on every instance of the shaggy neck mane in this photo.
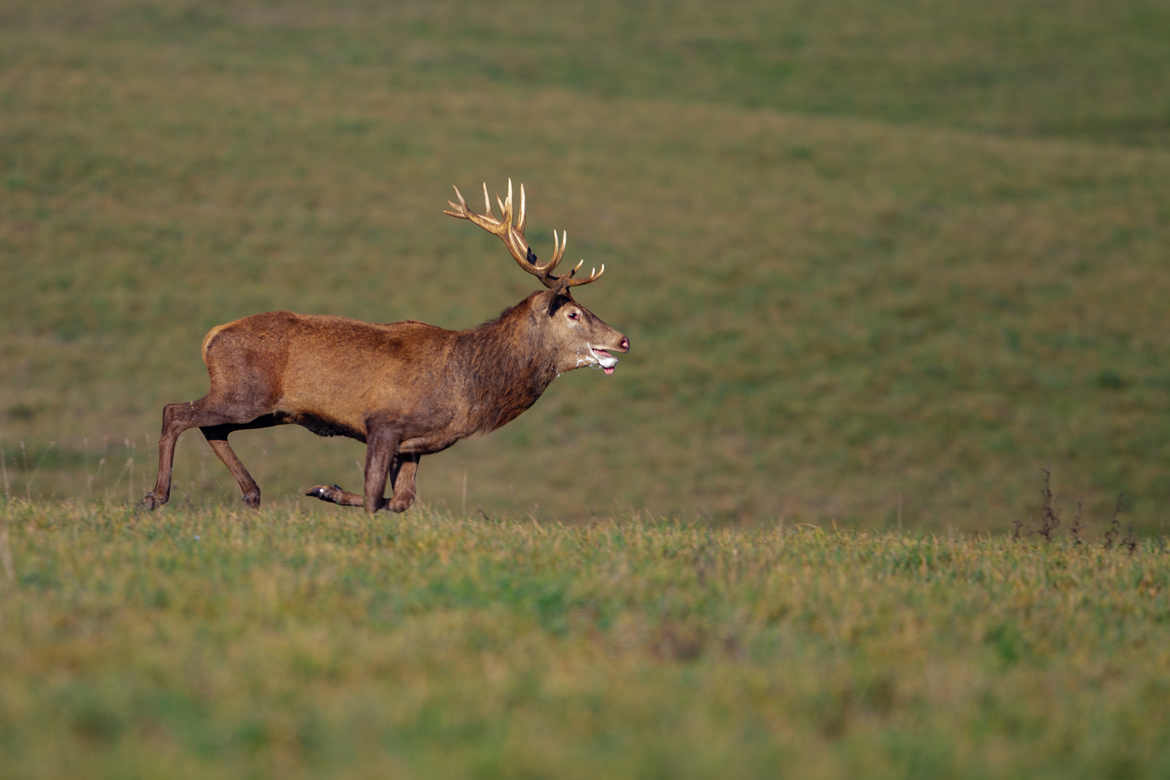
(508, 364)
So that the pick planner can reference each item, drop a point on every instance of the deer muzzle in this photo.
(600, 357)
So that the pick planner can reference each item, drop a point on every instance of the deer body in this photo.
(406, 389)
(335, 374)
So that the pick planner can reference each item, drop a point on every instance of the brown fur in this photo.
(406, 389)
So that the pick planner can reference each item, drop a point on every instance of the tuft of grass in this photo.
(231, 642)
(1050, 522)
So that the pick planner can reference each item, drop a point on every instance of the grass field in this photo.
(234, 644)
(880, 264)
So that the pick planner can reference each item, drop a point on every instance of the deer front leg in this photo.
(381, 446)
(402, 476)
(336, 494)
(402, 481)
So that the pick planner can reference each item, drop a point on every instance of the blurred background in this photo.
(880, 263)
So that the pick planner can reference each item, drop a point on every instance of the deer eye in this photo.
(574, 315)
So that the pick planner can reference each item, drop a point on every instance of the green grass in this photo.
(229, 643)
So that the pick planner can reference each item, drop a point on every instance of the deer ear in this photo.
(556, 302)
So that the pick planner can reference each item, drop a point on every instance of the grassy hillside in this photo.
(197, 643)
(879, 264)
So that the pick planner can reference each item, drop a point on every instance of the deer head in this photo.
(579, 337)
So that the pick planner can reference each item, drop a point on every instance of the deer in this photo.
(406, 389)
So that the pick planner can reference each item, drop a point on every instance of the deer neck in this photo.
(508, 364)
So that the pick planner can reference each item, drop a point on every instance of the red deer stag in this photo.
(406, 389)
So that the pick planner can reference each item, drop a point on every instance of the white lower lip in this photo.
(604, 359)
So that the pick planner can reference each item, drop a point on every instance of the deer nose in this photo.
(624, 344)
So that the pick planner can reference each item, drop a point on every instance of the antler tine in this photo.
(523, 217)
(594, 275)
(457, 209)
(487, 202)
(513, 238)
(559, 244)
(506, 206)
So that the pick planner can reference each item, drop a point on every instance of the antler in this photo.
(513, 237)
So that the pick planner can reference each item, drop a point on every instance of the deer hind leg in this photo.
(217, 438)
(177, 418)
(205, 413)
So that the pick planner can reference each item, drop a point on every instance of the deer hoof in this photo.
(150, 502)
(400, 504)
(252, 499)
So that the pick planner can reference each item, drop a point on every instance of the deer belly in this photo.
(427, 445)
(326, 426)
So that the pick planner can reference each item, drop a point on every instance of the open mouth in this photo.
(602, 359)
